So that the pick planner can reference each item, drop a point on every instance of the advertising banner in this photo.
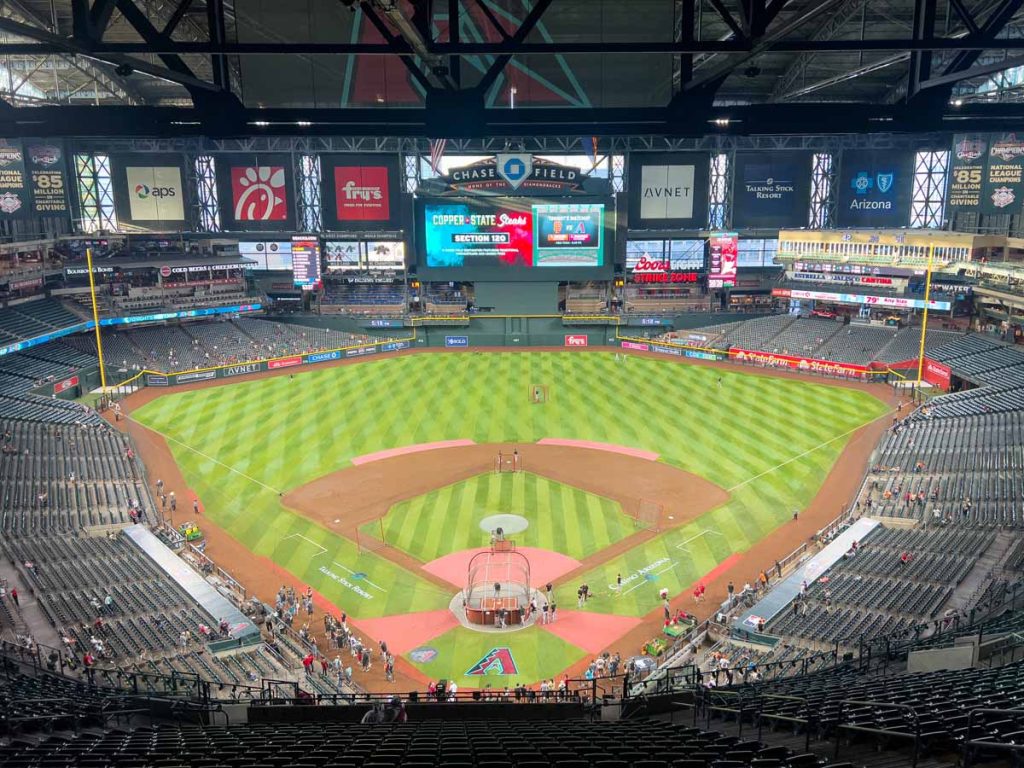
(576, 340)
(256, 192)
(47, 168)
(149, 190)
(676, 351)
(323, 357)
(967, 165)
(1003, 189)
(723, 257)
(61, 386)
(771, 189)
(456, 341)
(895, 302)
(806, 364)
(636, 346)
(241, 370)
(14, 190)
(193, 376)
(668, 190)
(874, 188)
(360, 192)
(284, 362)
(156, 380)
(936, 374)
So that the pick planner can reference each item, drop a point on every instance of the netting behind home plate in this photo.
(503, 567)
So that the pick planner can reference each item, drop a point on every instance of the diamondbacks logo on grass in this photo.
(497, 661)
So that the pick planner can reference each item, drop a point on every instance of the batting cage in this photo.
(497, 586)
(649, 515)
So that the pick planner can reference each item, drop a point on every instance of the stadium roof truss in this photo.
(508, 68)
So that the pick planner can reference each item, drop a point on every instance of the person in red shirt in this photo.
(307, 663)
(14, 597)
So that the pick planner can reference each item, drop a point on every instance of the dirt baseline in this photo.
(356, 495)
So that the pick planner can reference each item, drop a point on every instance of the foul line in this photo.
(308, 541)
(682, 544)
(207, 457)
(805, 453)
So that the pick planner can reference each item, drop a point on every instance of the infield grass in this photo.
(560, 517)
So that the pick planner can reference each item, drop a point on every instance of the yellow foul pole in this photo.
(96, 318)
(924, 318)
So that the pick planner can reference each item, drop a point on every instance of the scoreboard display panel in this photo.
(524, 238)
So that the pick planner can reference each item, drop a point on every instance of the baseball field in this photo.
(313, 474)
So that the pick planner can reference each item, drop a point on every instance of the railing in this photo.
(972, 745)
(915, 735)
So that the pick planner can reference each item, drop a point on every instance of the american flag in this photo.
(436, 153)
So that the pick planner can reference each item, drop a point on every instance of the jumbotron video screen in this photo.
(525, 234)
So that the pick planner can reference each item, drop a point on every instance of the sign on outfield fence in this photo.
(576, 340)
(456, 341)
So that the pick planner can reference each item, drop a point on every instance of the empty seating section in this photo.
(757, 333)
(34, 318)
(829, 339)
(202, 345)
(804, 336)
(63, 478)
(141, 628)
(421, 744)
(941, 701)
(875, 593)
(943, 468)
(856, 344)
(365, 299)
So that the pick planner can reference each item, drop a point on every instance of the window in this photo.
(929, 190)
(95, 192)
(206, 193)
(718, 192)
(823, 206)
(309, 193)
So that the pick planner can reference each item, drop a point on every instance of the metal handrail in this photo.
(969, 745)
(916, 735)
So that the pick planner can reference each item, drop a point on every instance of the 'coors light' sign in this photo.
(648, 270)
(514, 173)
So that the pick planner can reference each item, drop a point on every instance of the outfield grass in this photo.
(561, 518)
(769, 442)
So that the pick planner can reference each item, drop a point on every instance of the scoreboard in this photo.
(306, 262)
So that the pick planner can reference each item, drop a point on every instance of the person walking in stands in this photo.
(14, 597)
(307, 664)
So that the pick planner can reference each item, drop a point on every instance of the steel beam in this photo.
(921, 61)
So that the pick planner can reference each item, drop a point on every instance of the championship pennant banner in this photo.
(986, 173)
(256, 192)
(33, 178)
(360, 192)
(149, 190)
(668, 190)
(771, 189)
